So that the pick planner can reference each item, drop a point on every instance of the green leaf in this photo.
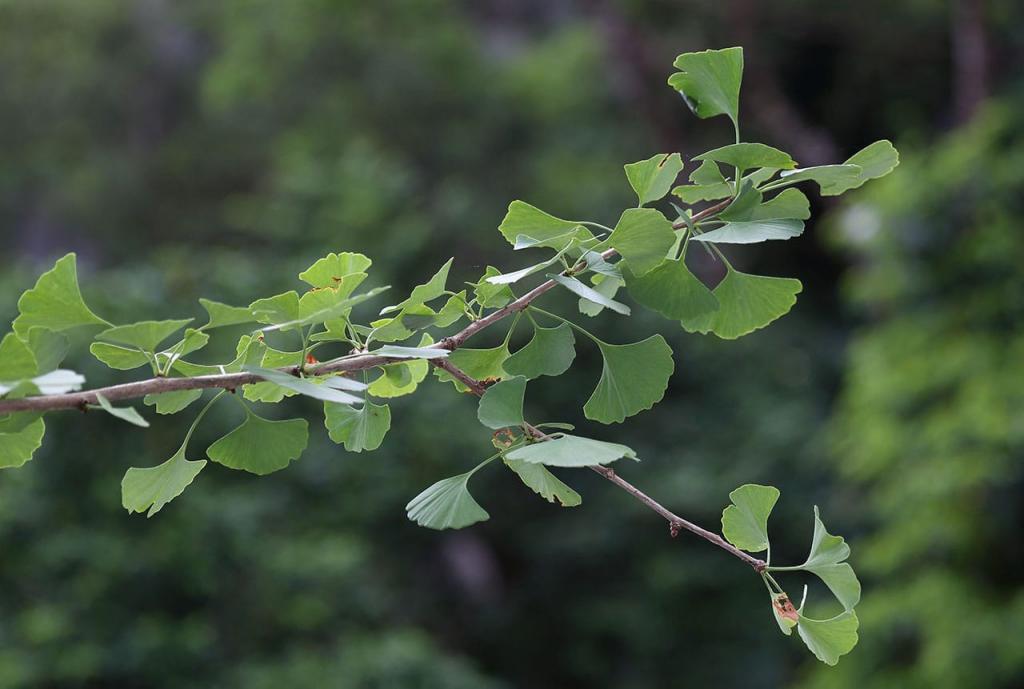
(322, 305)
(642, 236)
(428, 291)
(402, 379)
(567, 450)
(502, 403)
(745, 521)
(790, 203)
(333, 268)
(327, 389)
(20, 436)
(144, 335)
(490, 295)
(710, 82)
(446, 504)
(707, 173)
(222, 315)
(605, 286)
(396, 352)
(633, 378)
(16, 359)
(546, 230)
(152, 488)
(589, 293)
(481, 364)
(652, 178)
(55, 303)
(260, 446)
(826, 559)
(673, 291)
(549, 353)
(752, 232)
(544, 483)
(829, 639)
(359, 429)
(871, 162)
(48, 347)
(120, 358)
(280, 308)
(124, 413)
(746, 303)
(749, 155)
(831, 179)
(172, 402)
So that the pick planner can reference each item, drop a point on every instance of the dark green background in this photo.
(190, 148)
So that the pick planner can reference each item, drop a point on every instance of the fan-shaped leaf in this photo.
(261, 446)
(549, 353)
(446, 504)
(359, 429)
(567, 450)
(634, 377)
(745, 521)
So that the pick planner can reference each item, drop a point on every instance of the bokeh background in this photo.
(188, 148)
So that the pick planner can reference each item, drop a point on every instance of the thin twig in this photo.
(675, 522)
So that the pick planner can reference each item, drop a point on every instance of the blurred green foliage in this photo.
(194, 149)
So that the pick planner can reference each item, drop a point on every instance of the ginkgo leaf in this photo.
(172, 402)
(829, 639)
(20, 436)
(261, 446)
(604, 285)
(752, 231)
(826, 559)
(48, 348)
(544, 483)
(566, 450)
(222, 315)
(322, 305)
(55, 382)
(502, 403)
(673, 291)
(490, 295)
(55, 303)
(153, 487)
(634, 377)
(830, 178)
(403, 378)
(326, 389)
(396, 352)
(16, 359)
(481, 364)
(546, 230)
(280, 308)
(428, 291)
(120, 358)
(446, 504)
(124, 413)
(144, 335)
(875, 160)
(589, 293)
(746, 303)
(517, 275)
(358, 429)
(745, 521)
(333, 268)
(642, 236)
(549, 353)
(652, 178)
(749, 155)
(710, 81)
(788, 204)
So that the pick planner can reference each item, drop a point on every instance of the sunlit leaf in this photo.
(545, 229)
(55, 303)
(16, 359)
(144, 335)
(222, 315)
(606, 286)
(749, 155)
(20, 436)
(152, 488)
(120, 358)
(826, 559)
(481, 364)
(745, 521)
(333, 268)
(752, 232)
(48, 347)
(589, 293)
(829, 639)
(710, 81)
(652, 178)
(642, 237)
(428, 291)
(325, 389)
(634, 377)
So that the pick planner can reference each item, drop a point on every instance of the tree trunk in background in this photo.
(970, 58)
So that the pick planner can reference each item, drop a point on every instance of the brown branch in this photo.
(675, 522)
